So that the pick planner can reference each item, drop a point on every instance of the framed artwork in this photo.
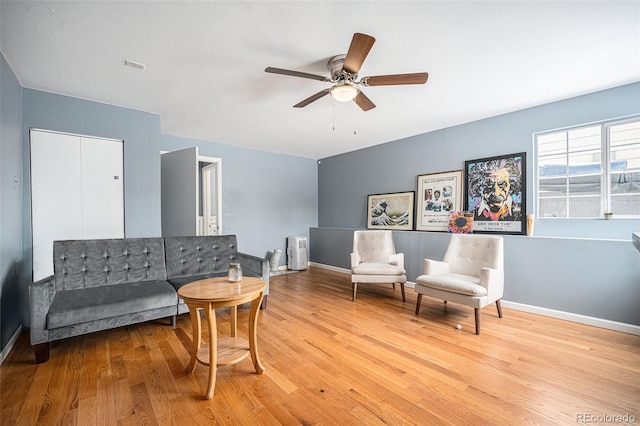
(438, 195)
(496, 193)
(391, 211)
(461, 222)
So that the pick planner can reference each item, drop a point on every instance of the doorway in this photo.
(191, 189)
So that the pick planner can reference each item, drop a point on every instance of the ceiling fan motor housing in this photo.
(335, 65)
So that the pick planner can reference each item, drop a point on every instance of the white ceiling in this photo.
(205, 62)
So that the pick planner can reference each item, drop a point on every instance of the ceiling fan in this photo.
(344, 75)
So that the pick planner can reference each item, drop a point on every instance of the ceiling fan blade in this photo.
(358, 50)
(363, 102)
(391, 80)
(312, 98)
(296, 74)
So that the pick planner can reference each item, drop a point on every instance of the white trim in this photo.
(566, 316)
(74, 134)
(329, 267)
(10, 345)
(218, 171)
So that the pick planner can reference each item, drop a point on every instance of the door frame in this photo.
(214, 164)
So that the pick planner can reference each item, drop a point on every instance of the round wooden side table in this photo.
(212, 293)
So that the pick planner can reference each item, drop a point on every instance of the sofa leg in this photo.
(418, 303)
(477, 320)
(499, 306)
(173, 321)
(42, 352)
(263, 305)
(354, 286)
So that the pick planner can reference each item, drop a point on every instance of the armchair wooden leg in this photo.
(477, 320)
(263, 305)
(404, 299)
(394, 285)
(499, 306)
(418, 303)
(355, 288)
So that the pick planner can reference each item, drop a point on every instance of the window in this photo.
(586, 171)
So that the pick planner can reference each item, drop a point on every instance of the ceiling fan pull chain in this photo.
(333, 108)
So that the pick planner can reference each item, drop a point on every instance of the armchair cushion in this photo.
(454, 283)
(377, 269)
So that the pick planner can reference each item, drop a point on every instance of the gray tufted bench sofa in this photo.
(195, 258)
(103, 284)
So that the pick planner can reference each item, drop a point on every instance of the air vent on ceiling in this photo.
(133, 64)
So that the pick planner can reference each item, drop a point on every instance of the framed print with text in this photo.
(438, 195)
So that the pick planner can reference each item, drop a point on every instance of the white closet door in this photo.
(102, 189)
(77, 192)
(56, 198)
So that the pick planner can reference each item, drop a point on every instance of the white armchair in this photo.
(471, 273)
(374, 260)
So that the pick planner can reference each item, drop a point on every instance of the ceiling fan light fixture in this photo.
(344, 92)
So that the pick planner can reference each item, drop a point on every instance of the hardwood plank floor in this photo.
(332, 361)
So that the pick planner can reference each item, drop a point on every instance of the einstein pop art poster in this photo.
(495, 192)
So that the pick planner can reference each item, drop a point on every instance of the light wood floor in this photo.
(334, 362)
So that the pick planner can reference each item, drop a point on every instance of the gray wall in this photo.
(587, 267)
(266, 196)
(10, 202)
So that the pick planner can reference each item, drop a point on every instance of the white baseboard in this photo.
(330, 268)
(10, 344)
(566, 316)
